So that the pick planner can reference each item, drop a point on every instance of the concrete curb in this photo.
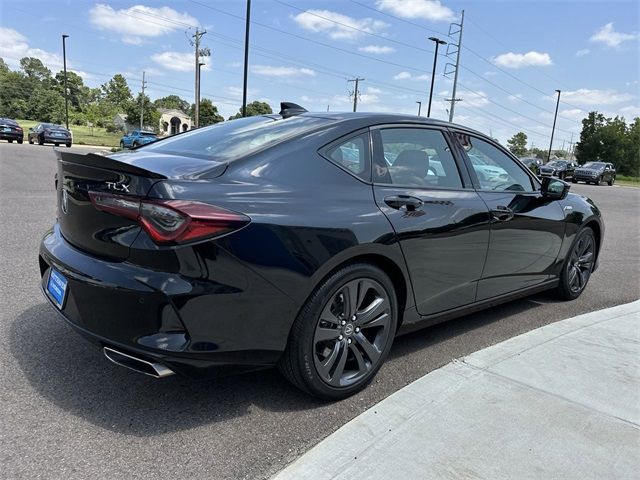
(562, 401)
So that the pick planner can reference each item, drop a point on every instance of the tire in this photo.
(598, 181)
(68, 145)
(20, 141)
(30, 141)
(56, 144)
(611, 181)
(134, 145)
(10, 141)
(573, 180)
(349, 352)
(40, 141)
(121, 145)
(567, 290)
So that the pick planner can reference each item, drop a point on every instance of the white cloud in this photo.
(582, 52)
(610, 37)
(519, 60)
(236, 92)
(490, 73)
(289, 72)
(630, 111)
(591, 97)
(425, 9)
(178, 61)
(572, 113)
(374, 90)
(474, 99)
(515, 98)
(408, 76)
(139, 21)
(337, 25)
(377, 49)
(14, 46)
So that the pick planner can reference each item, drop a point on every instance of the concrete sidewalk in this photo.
(559, 402)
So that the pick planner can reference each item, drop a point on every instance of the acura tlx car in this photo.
(302, 240)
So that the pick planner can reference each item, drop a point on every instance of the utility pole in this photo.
(453, 98)
(562, 149)
(246, 58)
(66, 93)
(198, 35)
(571, 147)
(419, 106)
(357, 80)
(144, 84)
(553, 129)
(438, 42)
(200, 64)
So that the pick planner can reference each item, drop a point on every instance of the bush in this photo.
(113, 128)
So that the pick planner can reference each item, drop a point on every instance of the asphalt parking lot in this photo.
(66, 412)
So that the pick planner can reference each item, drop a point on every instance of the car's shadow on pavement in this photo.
(74, 375)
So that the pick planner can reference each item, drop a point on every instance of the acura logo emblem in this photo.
(65, 201)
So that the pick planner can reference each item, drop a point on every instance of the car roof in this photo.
(374, 118)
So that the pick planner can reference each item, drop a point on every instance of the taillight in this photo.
(171, 222)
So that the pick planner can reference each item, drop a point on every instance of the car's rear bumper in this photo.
(183, 323)
(63, 140)
(11, 136)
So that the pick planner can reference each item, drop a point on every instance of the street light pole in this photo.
(419, 106)
(246, 58)
(553, 129)
(438, 42)
(66, 96)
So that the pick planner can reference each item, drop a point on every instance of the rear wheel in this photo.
(10, 141)
(68, 145)
(611, 181)
(343, 334)
(30, 141)
(20, 141)
(578, 265)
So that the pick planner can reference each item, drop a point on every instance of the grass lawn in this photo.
(628, 181)
(83, 135)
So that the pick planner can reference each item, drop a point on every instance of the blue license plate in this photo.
(57, 287)
(7, 129)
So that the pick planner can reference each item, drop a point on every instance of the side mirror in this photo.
(31, 129)
(554, 188)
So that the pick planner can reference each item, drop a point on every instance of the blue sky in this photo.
(515, 54)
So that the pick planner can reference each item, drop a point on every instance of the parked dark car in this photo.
(50, 133)
(595, 172)
(562, 169)
(10, 130)
(532, 164)
(262, 241)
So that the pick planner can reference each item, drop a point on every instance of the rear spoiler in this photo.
(104, 162)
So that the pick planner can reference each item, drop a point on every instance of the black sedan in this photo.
(307, 241)
(50, 133)
(532, 164)
(595, 172)
(10, 130)
(562, 169)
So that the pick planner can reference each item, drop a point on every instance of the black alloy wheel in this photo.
(611, 181)
(343, 334)
(578, 265)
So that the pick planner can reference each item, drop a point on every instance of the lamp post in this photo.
(419, 106)
(200, 64)
(553, 129)
(66, 96)
(438, 42)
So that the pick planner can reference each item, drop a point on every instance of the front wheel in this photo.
(578, 265)
(20, 141)
(121, 145)
(68, 145)
(611, 181)
(343, 333)
(134, 145)
(10, 141)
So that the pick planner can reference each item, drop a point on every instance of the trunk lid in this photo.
(99, 232)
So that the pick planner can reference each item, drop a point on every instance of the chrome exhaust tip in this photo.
(139, 365)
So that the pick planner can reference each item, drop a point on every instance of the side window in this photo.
(352, 154)
(494, 168)
(416, 157)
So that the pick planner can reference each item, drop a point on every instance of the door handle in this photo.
(502, 213)
(403, 202)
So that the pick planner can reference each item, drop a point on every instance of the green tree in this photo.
(632, 165)
(35, 69)
(589, 148)
(173, 101)
(133, 109)
(15, 89)
(46, 105)
(209, 113)
(518, 144)
(79, 93)
(3, 66)
(254, 108)
(117, 92)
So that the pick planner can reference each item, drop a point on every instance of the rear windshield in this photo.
(148, 134)
(230, 140)
(557, 163)
(594, 165)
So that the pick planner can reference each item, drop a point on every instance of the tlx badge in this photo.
(120, 187)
